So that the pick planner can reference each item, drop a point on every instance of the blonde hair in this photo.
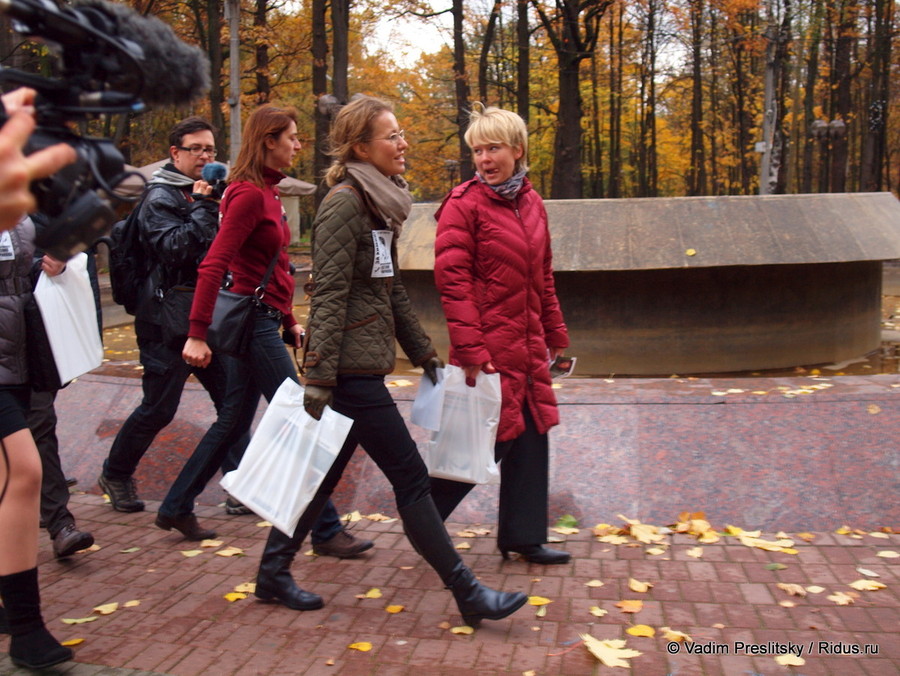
(352, 125)
(495, 125)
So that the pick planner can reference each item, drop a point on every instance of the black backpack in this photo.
(129, 264)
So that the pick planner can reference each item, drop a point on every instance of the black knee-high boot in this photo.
(476, 602)
(31, 645)
(274, 581)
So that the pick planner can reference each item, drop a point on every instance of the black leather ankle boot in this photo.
(475, 601)
(31, 645)
(274, 582)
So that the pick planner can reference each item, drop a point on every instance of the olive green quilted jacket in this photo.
(355, 318)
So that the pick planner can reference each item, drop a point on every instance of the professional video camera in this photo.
(112, 61)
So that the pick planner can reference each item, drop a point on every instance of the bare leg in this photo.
(21, 505)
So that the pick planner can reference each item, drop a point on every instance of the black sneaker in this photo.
(235, 507)
(122, 494)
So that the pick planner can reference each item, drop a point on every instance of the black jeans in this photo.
(381, 431)
(165, 373)
(524, 471)
(261, 372)
(55, 514)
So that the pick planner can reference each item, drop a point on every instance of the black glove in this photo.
(315, 399)
(431, 366)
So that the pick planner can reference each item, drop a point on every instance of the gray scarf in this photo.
(170, 176)
(389, 195)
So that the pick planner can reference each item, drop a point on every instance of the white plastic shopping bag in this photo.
(287, 458)
(69, 312)
(463, 448)
(426, 407)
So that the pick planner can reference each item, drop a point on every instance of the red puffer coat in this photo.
(494, 272)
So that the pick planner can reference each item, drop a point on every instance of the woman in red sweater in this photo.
(493, 271)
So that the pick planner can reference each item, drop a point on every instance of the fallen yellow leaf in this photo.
(264, 524)
(464, 545)
(462, 630)
(690, 252)
(695, 552)
(107, 609)
(379, 517)
(641, 630)
(565, 530)
(245, 587)
(808, 537)
(230, 551)
(888, 554)
(613, 539)
(867, 585)
(630, 606)
(612, 653)
(879, 534)
(130, 550)
(638, 586)
(792, 589)
(373, 593)
(656, 551)
(538, 601)
(867, 572)
(815, 589)
(597, 611)
(593, 583)
(393, 610)
(191, 553)
(362, 646)
(841, 598)
(80, 620)
(786, 604)
(231, 597)
(672, 635)
(541, 612)
(211, 543)
(72, 641)
(131, 604)
(873, 409)
(790, 660)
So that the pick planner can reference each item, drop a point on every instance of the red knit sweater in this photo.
(253, 228)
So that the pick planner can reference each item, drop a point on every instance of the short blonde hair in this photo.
(495, 125)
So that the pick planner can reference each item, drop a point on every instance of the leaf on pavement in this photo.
(245, 587)
(630, 606)
(131, 604)
(464, 545)
(361, 646)
(644, 630)
(612, 653)
(815, 589)
(373, 593)
(230, 551)
(593, 583)
(695, 552)
(393, 610)
(206, 544)
(107, 608)
(597, 611)
(867, 585)
(191, 553)
(72, 641)
(672, 635)
(565, 530)
(80, 620)
(462, 630)
(130, 550)
(790, 660)
(792, 589)
(888, 554)
(638, 586)
(538, 601)
(841, 598)
(775, 566)
(231, 597)
(264, 524)
(656, 551)
(566, 521)
(867, 572)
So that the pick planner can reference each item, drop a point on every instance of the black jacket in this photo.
(176, 232)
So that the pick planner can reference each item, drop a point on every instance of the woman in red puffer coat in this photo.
(494, 273)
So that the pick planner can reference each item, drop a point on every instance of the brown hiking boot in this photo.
(343, 546)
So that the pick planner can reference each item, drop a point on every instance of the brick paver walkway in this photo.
(727, 600)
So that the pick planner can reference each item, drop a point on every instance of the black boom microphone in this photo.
(113, 61)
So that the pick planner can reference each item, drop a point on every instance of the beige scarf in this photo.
(389, 195)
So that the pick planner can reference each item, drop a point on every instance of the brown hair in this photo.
(352, 125)
(267, 121)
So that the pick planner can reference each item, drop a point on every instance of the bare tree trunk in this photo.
(697, 172)
(809, 96)
(340, 39)
(875, 140)
(615, 112)
(844, 23)
(319, 50)
(523, 63)
(484, 58)
(216, 61)
(461, 78)
(260, 23)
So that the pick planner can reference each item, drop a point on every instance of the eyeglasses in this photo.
(197, 151)
(393, 138)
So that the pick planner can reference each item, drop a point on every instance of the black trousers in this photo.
(55, 514)
(524, 473)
